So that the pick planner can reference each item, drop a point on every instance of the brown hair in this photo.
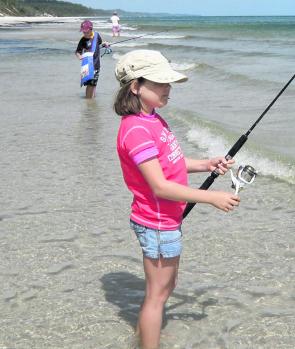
(126, 102)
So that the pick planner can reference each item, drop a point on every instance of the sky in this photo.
(198, 7)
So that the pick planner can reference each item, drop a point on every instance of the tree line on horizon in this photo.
(47, 8)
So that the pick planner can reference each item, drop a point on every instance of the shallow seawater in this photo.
(71, 270)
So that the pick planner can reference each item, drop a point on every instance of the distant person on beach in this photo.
(116, 28)
(88, 51)
(155, 171)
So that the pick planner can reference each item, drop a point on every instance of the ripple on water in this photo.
(28, 295)
(60, 238)
(58, 268)
(277, 312)
(260, 291)
(236, 299)
(232, 324)
(290, 253)
(8, 295)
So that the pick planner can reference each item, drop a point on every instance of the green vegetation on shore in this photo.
(47, 8)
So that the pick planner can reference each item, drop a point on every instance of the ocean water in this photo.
(70, 268)
(236, 66)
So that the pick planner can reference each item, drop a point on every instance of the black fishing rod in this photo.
(108, 50)
(235, 148)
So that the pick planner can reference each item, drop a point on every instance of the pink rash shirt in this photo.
(141, 138)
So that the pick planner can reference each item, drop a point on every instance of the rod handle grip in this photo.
(208, 182)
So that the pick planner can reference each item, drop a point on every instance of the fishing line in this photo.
(235, 148)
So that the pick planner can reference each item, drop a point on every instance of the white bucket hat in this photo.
(148, 64)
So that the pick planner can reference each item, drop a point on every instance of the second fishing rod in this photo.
(235, 148)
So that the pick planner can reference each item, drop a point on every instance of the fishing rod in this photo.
(109, 50)
(235, 148)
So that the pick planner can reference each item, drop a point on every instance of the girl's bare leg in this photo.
(161, 276)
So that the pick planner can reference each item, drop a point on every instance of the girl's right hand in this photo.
(224, 201)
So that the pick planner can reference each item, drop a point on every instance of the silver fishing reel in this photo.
(245, 175)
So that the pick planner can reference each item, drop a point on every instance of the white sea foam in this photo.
(213, 144)
(107, 24)
(12, 20)
(100, 25)
(116, 56)
(131, 44)
(132, 35)
(164, 36)
(149, 35)
(126, 27)
(183, 66)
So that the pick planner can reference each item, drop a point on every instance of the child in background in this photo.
(86, 45)
(116, 28)
(155, 170)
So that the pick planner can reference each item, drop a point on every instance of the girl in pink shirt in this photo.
(155, 171)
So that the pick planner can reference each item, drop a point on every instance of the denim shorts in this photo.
(153, 242)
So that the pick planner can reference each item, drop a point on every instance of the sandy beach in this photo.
(8, 21)
(70, 268)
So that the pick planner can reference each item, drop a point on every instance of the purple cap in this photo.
(86, 26)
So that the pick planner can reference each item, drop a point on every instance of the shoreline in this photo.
(12, 21)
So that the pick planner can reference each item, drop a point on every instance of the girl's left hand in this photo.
(221, 164)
